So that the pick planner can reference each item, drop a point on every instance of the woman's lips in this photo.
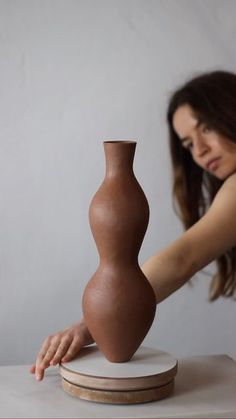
(213, 164)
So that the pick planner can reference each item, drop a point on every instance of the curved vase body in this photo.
(118, 302)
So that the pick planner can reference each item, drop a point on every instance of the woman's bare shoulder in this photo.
(215, 232)
(230, 181)
(226, 194)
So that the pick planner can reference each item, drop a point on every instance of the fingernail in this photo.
(38, 377)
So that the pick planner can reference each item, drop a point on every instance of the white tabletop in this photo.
(205, 388)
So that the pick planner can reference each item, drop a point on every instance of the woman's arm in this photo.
(167, 271)
(209, 238)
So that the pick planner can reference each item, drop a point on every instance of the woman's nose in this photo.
(200, 147)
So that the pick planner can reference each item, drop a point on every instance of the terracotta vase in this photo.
(118, 302)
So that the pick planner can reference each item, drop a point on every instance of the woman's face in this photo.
(210, 150)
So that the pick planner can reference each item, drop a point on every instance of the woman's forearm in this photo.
(204, 242)
(169, 269)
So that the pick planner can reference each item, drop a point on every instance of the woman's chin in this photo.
(223, 174)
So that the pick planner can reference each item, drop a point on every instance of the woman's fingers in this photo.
(63, 346)
(45, 355)
(62, 349)
(73, 349)
(32, 369)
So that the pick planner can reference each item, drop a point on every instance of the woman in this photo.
(202, 130)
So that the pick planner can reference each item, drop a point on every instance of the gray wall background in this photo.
(72, 74)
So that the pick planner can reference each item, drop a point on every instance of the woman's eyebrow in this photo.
(199, 122)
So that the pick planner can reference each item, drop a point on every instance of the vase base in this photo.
(148, 376)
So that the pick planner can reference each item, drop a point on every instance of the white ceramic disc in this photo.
(148, 367)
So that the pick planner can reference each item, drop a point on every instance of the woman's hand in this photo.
(61, 347)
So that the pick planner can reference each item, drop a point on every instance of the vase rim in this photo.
(120, 142)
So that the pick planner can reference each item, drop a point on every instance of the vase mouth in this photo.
(120, 142)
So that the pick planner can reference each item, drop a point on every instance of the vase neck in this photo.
(119, 156)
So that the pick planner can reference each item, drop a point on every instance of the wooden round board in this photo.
(149, 375)
(119, 397)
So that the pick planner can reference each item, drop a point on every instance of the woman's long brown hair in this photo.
(212, 96)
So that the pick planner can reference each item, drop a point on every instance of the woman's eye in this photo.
(206, 129)
(188, 146)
